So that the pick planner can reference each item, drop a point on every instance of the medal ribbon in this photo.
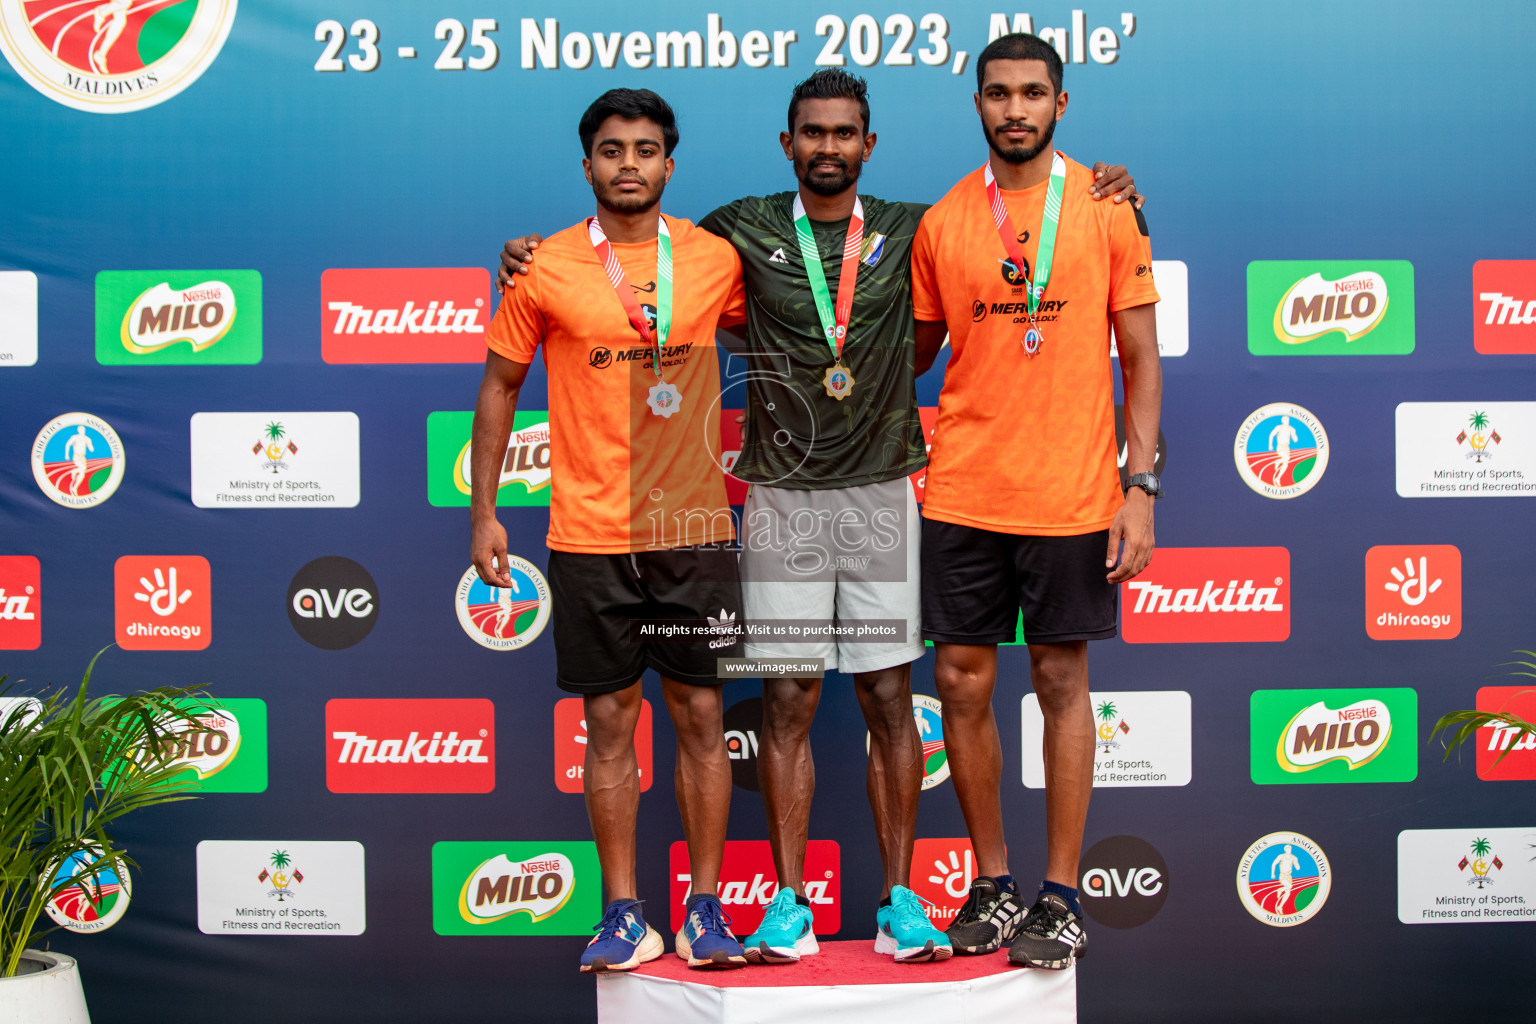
(615, 271)
(1048, 222)
(834, 323)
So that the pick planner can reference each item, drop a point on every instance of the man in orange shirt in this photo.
(640, 534)
(1023, 511)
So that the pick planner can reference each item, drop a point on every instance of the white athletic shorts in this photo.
(839, 556)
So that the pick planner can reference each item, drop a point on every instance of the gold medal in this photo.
(838, 381)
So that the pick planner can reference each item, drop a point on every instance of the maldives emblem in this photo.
(273, 446)
(282, 875)
(1478, 438)
(1283, 879)
(113, 56)
(1111, 726)
(1281, 450)
(1483, 862)
(504, 618)
(88, 899)
(77, 460)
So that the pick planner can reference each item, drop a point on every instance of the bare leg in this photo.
(786, 773)
(703, 777)
(1060, 676)
(611, 785)
(965, 675)
(895, 775)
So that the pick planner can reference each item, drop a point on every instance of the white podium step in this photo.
(846, 981)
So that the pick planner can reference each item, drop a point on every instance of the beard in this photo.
(1021, 154)
(610, 198)
(832, 185)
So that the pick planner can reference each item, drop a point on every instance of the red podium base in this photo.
(848, 979)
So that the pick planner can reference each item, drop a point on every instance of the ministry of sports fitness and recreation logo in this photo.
(525, 469)
(21, 601)
(1413, 591)
(394, 315)
(1466, 450)
(88, 895)
(1466, 875)
(515, 888)
(1283, 879)
(163, 602)
(333, 602)
(77, 460)
(1281, 450)
(178, 317)
(280, 887)
(1124, 881)
(1352, 735)
(113, 56)
(1480, 863)
(571, 745)
(748, 882)
(426, 745)
(504, 618)
(1479, 438)
(18, 318)
(1504, 307)
(1330, 307)
(1142, 738)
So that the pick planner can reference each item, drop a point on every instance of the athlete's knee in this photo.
(1059, 673)
(610, 719)
(696, 714)
(964, 690)
(886, 699)
(789, 705)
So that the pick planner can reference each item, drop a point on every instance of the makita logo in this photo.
(431, 315)
(21, 584)
(14, 607)
(1209, 595)
(1508, 309)
(1504, 306)
(748, 882)
(410, 746)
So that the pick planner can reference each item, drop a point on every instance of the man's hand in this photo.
(488, 551)
(1133, 524)
(1107, 181)
(517, 254)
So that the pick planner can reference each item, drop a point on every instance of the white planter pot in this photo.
(46, 990)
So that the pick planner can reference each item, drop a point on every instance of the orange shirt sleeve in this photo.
(519, 324)
(927, 303)
(1130, 260)
(734, 313)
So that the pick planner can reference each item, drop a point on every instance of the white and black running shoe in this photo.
(990, 917)
(1051, 937)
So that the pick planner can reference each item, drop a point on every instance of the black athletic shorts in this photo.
(595, 598)
(976, 582)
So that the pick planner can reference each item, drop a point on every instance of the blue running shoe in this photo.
(705, 940)
(785, 934)
(624, 941)
(905, 931)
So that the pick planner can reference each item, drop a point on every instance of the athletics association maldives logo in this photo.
(1281, 450)
(504, 618)
(1283, 879)
(113, 56)
(91, 899)
(77, 460)
(930, 730)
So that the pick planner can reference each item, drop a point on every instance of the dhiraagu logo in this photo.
(521, 888)
(1355, 735)
(525, 469)
(1330, 307)
(178, 317)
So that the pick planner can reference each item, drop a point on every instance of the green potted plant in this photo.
(70, 766)
(1461, 726)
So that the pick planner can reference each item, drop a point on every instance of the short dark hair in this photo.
(831, 84)
(629, 104)
(1019, 46)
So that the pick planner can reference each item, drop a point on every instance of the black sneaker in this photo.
(1052, 935)
(991, 916)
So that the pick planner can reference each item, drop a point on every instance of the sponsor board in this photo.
(942, 873)
(1283, 879)
(21, 603)
(1518, 760)
(1413, 592)
(88, 896)
(1209, 595)
(748, 883)
(228, 754)
(504, 618)
(400, 315)
(1504, 307)
(515, 888)
(1123, 881)
(571, 745)
(929, 715)
(280, 887)
(1172, 309)
(178, 317)
(1281, 450)
(18, 318)
(78, 460)
(163, 602)
(1142, 738)
(1330, 307)
(424, 745)
(276, 460)
(1466, 875)
(1466, 449)
(743, 723)
(117, 56)
(525, 469)
(333, 602)
(1350, 735)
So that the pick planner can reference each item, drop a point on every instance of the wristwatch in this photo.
(1147, 482)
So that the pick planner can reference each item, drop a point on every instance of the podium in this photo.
(846, 981)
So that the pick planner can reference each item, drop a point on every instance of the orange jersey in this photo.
(1021, 445)
(622, 478)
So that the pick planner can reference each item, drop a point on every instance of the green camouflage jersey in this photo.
(795, 434)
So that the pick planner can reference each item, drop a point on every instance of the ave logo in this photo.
(1504, 307)
(333, 602)
(748, 883)
(1124, 881)
(412, 315)
(1413, 591)
(164, 602)
(571, 745)
(21, 601)
(1209, 595)
(410, 746)
(743, 723)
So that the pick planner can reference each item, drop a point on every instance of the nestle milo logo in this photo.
(1330, 307)
(525, 468)
(515, 888)
(1357, 735)
(169, 317)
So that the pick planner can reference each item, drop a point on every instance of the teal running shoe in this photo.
(785, 934)
(905, 931)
